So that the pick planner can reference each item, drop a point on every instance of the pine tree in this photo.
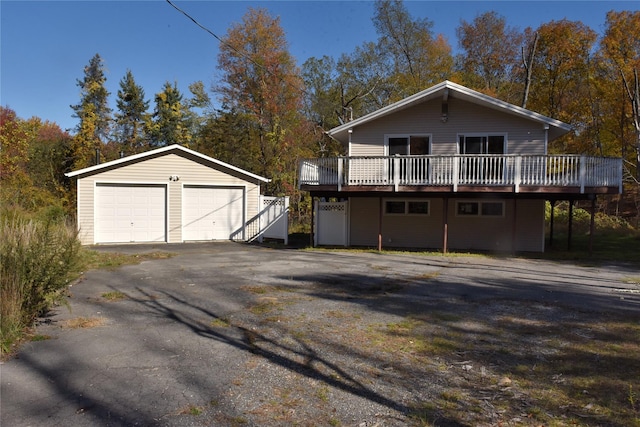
(93, 112)
(93, 92)
(170, 123)
(130, 119)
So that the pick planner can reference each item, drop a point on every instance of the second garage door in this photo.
(212, 213)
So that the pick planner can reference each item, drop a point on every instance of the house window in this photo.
(480, 208)
(403, 145)
(481, 144)
(406, 207)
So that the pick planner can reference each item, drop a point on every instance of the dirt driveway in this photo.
(232, 334)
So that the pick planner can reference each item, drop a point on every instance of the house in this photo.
(448, 168)
(170, 194)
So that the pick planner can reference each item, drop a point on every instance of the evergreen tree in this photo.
(170, 123)
(130, 119)
(93, 112)
(93, 92)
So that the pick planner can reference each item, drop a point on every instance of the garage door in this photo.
(212, 213)
(130, 213)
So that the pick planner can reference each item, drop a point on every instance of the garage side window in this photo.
(406, 207)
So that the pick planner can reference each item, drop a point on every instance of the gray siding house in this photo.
(448, 168)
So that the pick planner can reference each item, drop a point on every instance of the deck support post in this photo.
(311, 234)
(570, 229)
(445, 224)
(514, 226)
(380, 225)
(553, 204)
(592, 224)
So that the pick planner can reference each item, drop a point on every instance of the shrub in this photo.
(37, 260)
(582, 220)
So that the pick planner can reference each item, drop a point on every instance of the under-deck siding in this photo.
(464, 233)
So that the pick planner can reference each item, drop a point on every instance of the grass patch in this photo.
(427, 276)
(265, 305)
(84, 322)
(258, 290)
(93, 259)
(191, 410)
(114, 296)
(261, 290)
(322, 393)
(220, 322)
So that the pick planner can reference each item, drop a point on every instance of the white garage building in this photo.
(171, 194)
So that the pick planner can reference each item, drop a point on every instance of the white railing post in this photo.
(456, 171)
(517, 174)
(396, 173)
(340, 161)
(583, 172)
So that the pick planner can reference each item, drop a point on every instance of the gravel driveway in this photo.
(234, 334)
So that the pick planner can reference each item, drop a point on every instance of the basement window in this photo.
(480, 208)
(406, 207)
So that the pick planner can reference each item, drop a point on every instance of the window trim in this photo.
(406, 207)
(408, 136)
(505, 142)
(479, 208)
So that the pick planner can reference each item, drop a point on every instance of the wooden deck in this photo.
(462, 174)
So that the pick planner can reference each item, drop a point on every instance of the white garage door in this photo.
(130, 213)
(212, 213)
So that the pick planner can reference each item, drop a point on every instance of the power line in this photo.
(238, 51)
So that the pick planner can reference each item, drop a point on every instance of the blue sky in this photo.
(45, 45)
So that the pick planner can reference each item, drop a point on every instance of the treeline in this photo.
(272, 113)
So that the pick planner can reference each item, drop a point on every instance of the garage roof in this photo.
(175, 148)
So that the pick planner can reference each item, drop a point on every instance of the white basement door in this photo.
(130, 213)
(213, 213)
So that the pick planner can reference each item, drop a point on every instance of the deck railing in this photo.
(482, 170)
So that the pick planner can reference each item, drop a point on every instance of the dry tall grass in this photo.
(37, 260)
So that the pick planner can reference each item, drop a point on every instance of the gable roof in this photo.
(456, 91)
(170, 149)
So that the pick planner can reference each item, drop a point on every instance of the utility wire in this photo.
(239, 52)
